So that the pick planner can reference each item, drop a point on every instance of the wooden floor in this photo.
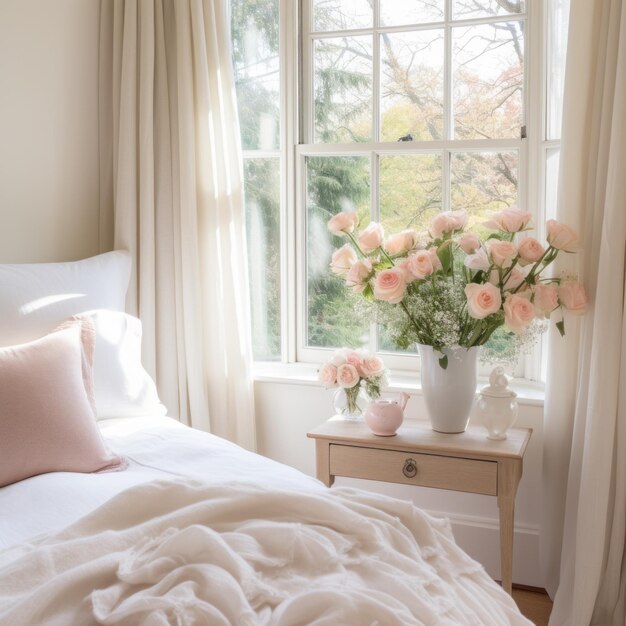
(535, 605)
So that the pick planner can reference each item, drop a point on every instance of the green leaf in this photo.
(561, 326)
(443, 362)
(444, 252)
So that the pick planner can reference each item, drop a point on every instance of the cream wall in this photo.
(48, 130)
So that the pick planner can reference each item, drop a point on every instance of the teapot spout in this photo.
(405, 399)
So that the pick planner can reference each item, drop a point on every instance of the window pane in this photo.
(410, 194)
(262, 191)
(254, 30)
(394, 13)
(468, 9)
(483, 182)
(343, 89)
(488, 79)
(410, 191)
(558, 18)
(412, 85)
(333, 184)
(342, 14)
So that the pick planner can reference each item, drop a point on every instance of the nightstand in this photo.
(417, 455)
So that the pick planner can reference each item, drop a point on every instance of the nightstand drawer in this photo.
(426, 470)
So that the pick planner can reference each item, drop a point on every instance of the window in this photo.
(255, 36)
(396, 110)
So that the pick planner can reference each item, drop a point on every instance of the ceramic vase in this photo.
(449, 393)
(497, 405)
(350, 403)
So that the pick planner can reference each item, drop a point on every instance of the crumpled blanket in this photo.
(186, 553)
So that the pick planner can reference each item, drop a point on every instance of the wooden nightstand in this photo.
(417, 455)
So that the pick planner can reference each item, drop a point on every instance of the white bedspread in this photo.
(189, 553)
(157, 448)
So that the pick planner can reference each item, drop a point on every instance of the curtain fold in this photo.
(584, 500)
(171, 171)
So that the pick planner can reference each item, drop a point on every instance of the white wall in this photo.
(286, 411)
(48, 130)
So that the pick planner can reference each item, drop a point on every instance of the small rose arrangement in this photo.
(449, 287)
(352, 369)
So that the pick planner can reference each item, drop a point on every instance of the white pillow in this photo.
(36, 297)
(122, 387)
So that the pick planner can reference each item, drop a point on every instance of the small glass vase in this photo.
(350, 403)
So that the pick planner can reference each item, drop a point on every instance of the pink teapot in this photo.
(383, 417)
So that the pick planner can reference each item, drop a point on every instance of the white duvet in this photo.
(227, 537)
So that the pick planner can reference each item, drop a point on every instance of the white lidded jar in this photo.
(497, 405)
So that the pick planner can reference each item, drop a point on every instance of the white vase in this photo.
(449, 393)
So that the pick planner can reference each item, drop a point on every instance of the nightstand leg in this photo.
(509, 474)
(507, 513)
(322, 462)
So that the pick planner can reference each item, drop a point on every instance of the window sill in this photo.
(529, 393)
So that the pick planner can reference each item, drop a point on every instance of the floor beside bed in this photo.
(535, 605)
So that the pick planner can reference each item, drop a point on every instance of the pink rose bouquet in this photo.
(351, 370)
(448, 287)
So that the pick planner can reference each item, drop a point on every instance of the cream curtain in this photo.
(584, 500)
(171, 172)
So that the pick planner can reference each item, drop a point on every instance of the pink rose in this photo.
(401, 242)
(347, 376)
(434, 258)
(482, 300)
(514, 279)
(562, 237)
(390, 285)
(343, 259)
(530, 250)
(420, 264)
(545, 299)
(372, 237)
(573, 297)
(372, 366)
(469, 243)
(446, 222)
(355, 360)
(358, 275)
(344, 222)
(477, 261)
(509, 220)
(502, 252)
(518, 313)
(328, 375)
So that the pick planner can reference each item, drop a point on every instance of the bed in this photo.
(193, 530)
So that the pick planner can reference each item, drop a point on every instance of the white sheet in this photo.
(157, 448)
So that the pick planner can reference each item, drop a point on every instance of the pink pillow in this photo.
(47, 416)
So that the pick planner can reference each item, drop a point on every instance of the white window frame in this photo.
(296, 123)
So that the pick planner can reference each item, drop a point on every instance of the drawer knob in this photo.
(410, 468)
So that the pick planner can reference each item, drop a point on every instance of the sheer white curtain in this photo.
(171, 171)
(584, 500)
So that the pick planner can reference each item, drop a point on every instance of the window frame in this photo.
(296, 124)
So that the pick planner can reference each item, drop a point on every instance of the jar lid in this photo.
(498, 386)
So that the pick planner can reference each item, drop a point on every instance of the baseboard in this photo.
(480, 538)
